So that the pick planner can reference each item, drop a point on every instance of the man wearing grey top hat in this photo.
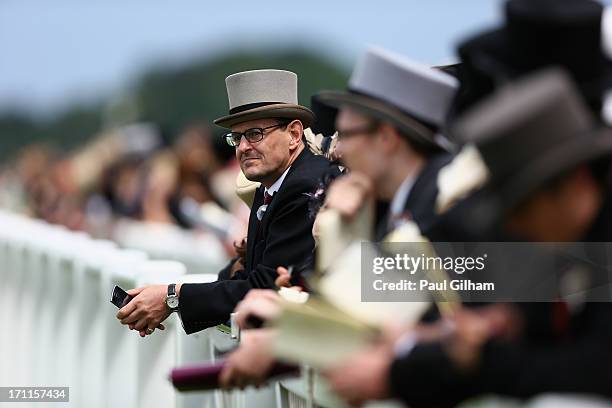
(388, 136)
(267, 129)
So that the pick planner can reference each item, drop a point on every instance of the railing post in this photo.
(157, 353)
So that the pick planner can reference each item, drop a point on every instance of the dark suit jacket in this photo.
(282, 238)
(577, 359)
(421, 201)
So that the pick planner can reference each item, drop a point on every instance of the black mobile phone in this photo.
(120, 297)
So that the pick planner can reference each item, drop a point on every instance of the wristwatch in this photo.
(172, 300)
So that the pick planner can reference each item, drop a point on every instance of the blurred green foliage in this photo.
(170, 97)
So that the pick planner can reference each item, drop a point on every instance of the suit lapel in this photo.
(252, 232)
(258, 201)
(422, 198)
(301, 159)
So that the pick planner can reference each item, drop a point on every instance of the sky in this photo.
(55, 54)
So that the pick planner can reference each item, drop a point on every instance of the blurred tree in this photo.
(198, 91)
(171, 97)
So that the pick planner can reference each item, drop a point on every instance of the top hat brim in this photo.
(510, 193)
(414, 129)
(279, 110)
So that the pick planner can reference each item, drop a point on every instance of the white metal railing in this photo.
(59, 328)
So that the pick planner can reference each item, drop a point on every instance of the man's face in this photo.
(359, 150)
(265, 160)
(560, 213)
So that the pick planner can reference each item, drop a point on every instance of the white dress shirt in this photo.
(396, 209)
(277, 184)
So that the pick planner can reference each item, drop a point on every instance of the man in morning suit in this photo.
(267, 127)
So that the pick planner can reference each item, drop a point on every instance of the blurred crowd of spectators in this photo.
(131, 182)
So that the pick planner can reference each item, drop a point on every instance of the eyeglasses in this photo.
(343, 134)
(252, 135)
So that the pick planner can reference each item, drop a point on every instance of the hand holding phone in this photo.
(120, 297)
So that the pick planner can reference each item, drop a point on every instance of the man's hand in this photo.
(474, 327)
(249, 363)
(284, 279)
(364, 376)
(241, 248)
(146, 310)
(260, 303)
(348, 193)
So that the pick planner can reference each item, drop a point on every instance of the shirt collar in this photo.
(401, 195)
(277, 184)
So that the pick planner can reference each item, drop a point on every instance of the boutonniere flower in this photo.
(315, 142)
(261, 211)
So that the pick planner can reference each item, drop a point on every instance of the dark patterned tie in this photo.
(267, 198)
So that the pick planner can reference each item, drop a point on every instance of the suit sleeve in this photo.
(427, 377)
(288, 241)
(224, 274)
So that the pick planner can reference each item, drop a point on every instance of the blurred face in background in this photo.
(266, 160)
(359, 144)
(126, 187)
(195, 152)
(32, 164)
(560, 212)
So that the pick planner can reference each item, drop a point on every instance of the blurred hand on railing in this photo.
(258, 305)
(473, 327)
(364, 376)
(249, 363)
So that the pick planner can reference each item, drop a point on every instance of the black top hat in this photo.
(537, 34)
(325, 117)
(530, 132)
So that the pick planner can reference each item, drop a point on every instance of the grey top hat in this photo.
(531, 131)
(387, 86)
(265, 93)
